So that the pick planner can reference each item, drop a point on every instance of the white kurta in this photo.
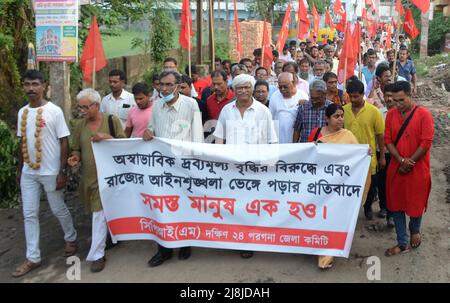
(284, 112)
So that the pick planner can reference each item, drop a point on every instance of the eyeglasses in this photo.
(85, 107)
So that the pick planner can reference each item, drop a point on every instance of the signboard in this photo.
(56, 30)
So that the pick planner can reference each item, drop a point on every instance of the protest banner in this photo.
(296, 198)
(56, 30)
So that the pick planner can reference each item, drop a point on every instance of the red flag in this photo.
(316, 19)
(93, 49)
(339, 8)
(267, 57)
(186, 26)
(423, 5)
(409, 26)
(389, 38)
(341, 25)
(347, 54)
(357, 39)
(329, 20)
(399, 8)
(284, 30)
(303, 21)
(239, 49)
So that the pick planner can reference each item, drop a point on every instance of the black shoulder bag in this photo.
(404, 125)
(112, 131)
(316, 135)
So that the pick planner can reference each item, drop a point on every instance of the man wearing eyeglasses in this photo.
(175, 116)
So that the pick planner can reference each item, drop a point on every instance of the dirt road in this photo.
(128, 261)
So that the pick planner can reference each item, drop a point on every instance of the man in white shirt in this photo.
(284, 106)
(175, 116)
(286, 55)
(42, 161)
(119, 101)
(245, 121)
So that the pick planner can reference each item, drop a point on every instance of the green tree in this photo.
(16, 31)
(438, 28)
(161, 36)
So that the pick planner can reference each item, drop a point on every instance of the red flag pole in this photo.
(94, 63)
(345, 64)
(262, 43)
(396, 46)
(189, 37)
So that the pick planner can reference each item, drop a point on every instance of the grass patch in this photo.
(423, 66)
(120, 45)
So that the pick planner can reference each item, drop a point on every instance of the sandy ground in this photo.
(128, 261)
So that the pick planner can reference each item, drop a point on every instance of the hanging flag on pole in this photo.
(93, 57)
(239, 49)
(399, 8)
(267, 57)
(347, 59)
(423, 5)
(409, 26)
(389, 37)
(282, 37)
(316, 19)
(303, 21)
(186, 31)
(339, 10)
(329, 20)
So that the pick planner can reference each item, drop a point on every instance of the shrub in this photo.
(9, 150)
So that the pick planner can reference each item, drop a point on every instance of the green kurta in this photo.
(81, 146)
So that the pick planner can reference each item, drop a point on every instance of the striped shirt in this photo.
(309, 118)
(180, 121)
(407, 70)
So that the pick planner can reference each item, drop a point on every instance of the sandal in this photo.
(396, 250)
(325, 262)
(70, 248)
(25, 268)
(416, 240)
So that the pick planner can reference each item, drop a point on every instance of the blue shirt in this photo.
(407, 70)
(368, 74)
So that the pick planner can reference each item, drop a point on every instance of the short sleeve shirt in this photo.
(53, 127)
(365, 126)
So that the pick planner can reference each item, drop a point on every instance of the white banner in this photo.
(296, 198)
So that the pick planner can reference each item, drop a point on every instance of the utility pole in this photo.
(226, 11)
(211, 33)
(424, 34)
(199, 30)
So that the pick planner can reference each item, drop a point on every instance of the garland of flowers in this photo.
(37, 135)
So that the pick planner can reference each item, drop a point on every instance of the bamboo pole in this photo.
(211, 33)
(396, 48)
(189, 43)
